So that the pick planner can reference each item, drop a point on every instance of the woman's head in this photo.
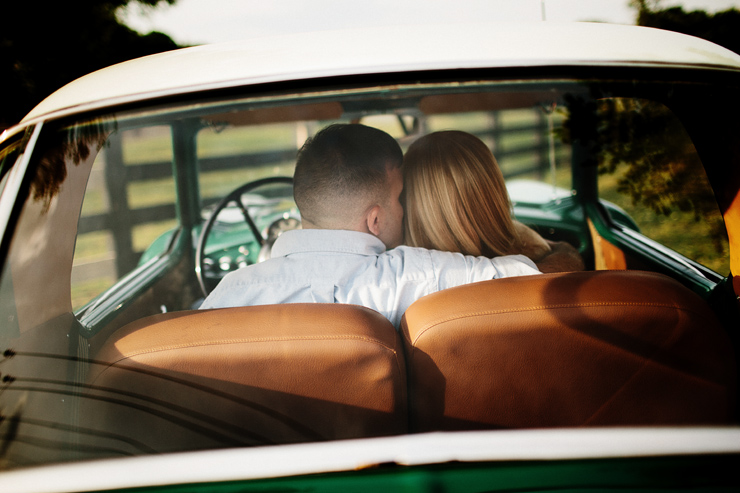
(455, 196)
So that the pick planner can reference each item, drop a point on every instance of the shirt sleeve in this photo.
(455, 269)
(514, 265)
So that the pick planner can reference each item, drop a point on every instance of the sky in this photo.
(192, 22)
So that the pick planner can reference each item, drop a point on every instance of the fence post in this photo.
(119, 215)
(497, 146)
(543, 156)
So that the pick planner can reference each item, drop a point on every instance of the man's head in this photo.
(348, 177)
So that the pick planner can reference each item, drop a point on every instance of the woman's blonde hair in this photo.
(455, 197)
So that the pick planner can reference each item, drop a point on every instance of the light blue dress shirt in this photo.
(332, 266)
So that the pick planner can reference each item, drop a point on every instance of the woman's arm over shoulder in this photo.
(562, 258)
(531, 243)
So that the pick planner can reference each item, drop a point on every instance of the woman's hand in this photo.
(532, 244)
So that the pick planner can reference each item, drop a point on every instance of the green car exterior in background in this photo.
(128, 194)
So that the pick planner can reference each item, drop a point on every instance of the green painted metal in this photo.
(652, 474)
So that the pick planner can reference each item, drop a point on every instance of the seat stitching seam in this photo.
(260, 339)
(547, 307)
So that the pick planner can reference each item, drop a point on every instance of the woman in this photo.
(456, 200)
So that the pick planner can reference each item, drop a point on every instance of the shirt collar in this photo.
(326, 240)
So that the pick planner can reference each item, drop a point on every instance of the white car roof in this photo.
(382, 50)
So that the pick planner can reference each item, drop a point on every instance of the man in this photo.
(347, 185)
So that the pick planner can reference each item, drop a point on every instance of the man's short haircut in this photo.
(343, 164)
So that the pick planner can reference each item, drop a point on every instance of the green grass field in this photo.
(679, 230)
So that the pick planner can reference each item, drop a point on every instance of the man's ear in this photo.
(373, 219)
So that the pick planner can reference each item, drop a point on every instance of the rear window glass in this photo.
(649, 167)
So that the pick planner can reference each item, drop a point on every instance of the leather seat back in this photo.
(248, 376)
(574, 349)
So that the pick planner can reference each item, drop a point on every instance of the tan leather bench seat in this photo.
(248, 376)
(576, 349)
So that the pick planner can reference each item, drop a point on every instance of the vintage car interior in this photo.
(105, 353)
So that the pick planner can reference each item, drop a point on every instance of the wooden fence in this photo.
(528, 158)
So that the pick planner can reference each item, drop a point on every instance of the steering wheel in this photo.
(235, 196)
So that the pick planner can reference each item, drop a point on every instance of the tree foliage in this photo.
(721, 27)
(645, 145)
(43, 46)
(655, 159)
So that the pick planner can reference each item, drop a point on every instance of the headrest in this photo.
(573, 349)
